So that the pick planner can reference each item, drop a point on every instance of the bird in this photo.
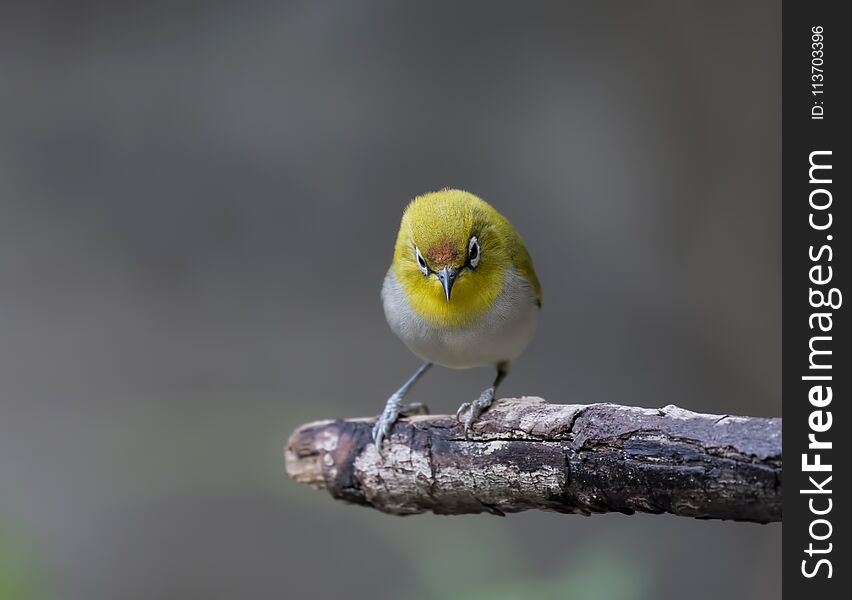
(461, 292)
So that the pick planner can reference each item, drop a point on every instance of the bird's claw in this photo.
(474, 410)
(385, 422)
(393, 410)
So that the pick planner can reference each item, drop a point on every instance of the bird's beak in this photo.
(448, 275)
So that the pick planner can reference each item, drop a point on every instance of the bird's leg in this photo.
(477, 407)
(394, 407)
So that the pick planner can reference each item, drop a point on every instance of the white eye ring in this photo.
(421, 262)
(473, 252)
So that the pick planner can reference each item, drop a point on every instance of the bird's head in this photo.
(451, 255)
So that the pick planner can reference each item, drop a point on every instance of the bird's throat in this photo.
(473, 295)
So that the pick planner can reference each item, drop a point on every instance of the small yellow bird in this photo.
(461, 292)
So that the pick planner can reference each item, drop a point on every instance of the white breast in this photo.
(499, 335)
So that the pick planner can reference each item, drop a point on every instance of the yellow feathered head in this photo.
(451, 255)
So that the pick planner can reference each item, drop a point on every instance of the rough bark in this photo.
(525, 453)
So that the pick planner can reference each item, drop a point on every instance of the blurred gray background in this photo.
(198, 202)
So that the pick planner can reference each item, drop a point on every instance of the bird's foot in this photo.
(393, 409)
(473, 410)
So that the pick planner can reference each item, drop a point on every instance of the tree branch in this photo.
(525, 453)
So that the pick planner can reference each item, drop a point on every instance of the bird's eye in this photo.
(421, 261)
(473, 252)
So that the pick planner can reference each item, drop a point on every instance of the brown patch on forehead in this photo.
(443, 254)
